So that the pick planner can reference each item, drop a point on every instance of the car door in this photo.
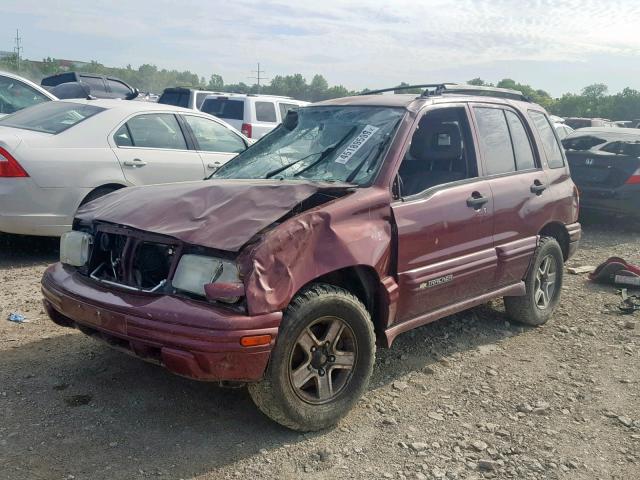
(215, 142)
(151, 148)
(444, 219)
(519, 186)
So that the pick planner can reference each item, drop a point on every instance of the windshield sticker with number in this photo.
(356, 144)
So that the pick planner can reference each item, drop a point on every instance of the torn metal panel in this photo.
(356, 230)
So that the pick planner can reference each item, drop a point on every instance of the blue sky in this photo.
(558, 45)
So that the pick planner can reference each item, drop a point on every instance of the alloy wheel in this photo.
(322, 360)
(545, 282)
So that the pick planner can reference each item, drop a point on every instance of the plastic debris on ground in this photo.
(617, 271)
(579, 270)
(630, 303)
(17, 318)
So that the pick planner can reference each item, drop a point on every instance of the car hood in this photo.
(220, 214)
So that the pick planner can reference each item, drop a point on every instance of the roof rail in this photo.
(462, 89)
(432, 89)
(405, 87)
(267, 95)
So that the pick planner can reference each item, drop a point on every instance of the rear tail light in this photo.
(9, 166)
(246, 130)
(634, 179)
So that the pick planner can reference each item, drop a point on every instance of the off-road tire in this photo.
(275, 395)
(524, 309)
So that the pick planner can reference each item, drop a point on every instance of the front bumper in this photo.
(189, 338)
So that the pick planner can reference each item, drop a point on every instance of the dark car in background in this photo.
(79, 85)
(605, 165)
(579, 122)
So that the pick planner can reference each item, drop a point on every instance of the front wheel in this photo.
(322, 360)
(543, 285)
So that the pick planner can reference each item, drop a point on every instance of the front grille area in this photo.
(132, 260)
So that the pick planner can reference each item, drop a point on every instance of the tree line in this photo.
(593, 101)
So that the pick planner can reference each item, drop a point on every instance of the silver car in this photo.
(56, 156)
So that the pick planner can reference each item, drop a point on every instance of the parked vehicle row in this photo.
(254, 115)
(59, 155)
(353, 221)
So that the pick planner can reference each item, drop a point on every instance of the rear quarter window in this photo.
(549, 141)
(223, 107)
(266, 112)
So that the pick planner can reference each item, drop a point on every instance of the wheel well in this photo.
(559, 232)
(108, 186)
(364, 283)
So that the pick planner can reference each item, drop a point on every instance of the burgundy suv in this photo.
(355, 220)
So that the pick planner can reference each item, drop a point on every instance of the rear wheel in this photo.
(322, 360)
(543, 285)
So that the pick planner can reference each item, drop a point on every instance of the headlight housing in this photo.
(75, 248)
(196, 271)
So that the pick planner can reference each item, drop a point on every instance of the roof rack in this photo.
(433, 89)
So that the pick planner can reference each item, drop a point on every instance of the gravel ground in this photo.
(469, 397)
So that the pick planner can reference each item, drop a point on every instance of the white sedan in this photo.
(56, 156)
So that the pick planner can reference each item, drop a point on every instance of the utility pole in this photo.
(259, 76)
(18, 49)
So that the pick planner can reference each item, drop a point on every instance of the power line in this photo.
(259, 76)
(18, 48)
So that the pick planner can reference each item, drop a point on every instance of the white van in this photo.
(254, 115)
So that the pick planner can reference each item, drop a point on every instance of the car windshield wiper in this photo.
(326, 153)
(323, 154)
(377, 151)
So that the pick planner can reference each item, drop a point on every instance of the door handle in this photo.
(476, 200)
(136, 162)
(538, 187)
(214, 165)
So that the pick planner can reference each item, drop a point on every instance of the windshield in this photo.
(324, 143)
(50, 117)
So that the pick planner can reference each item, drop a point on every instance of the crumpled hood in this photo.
(221, 214)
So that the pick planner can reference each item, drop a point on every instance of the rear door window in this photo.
(156, 130)
(548, 137)
(223, 107)
(123, 137)
(95, 83)
(118, 88)
(266, 112)
(213, 137)
(631, 149)
(521, 143)
(495, 143)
